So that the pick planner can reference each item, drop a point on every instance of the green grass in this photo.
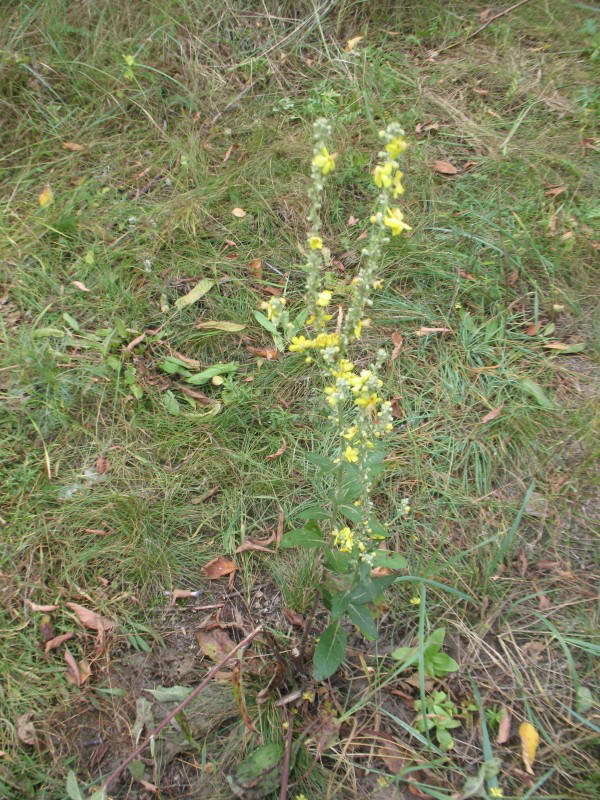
(143, 212)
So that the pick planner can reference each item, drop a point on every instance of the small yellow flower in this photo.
(324, 161)
(367, 400)
(394, 220)
(496, 791)
(383, 781)
(351, 454)
(397, 189)
(389, 427)
(358, 329)
(351, 432)
(415, 601)
(300, 797)
(299, 344)
(344, 539)
(315, 242)
(382, 174)
(324, 298)
(377, 284)
(308, 695)
(397, 146)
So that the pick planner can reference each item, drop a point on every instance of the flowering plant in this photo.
(347, 532)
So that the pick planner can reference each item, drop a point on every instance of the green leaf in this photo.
(377, 527)
(298, 323)
(110, 691)
(217, 369)
(584, 699)
(170, 694)
(383, 558)
(174, 366)
(71, 321)
(137, 769)
(266, 323)
(330, 651)
(369, 591)
(325, 464)
(137, 391)
(169, 401)
(99, 794)
(338, 603)
(408, 654)
(309, 536)
(445, 740)
(42, 333)
(313, 512)
(353, 513)
(337, 562)
(440, 665)
(73, 789)
(362, 617)
(199, 290)
(436, 637)
(221, 325)
(535, 390)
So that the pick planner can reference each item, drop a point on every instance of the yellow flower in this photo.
(344, 539)
(351, 432)
(378, 283)
(367, 400)
(351, 454)
(315, 242)
(496, 791)
(415, 601)
(394, 220)
(398, 189)
(299, 344)
(358, 329)
(323, 299)
(324, 161)
(300, 797)
(382, 174)
(397, 146)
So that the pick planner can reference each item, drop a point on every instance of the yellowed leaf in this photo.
(238, 212)
(426, 331)
(445, 168)
(530, 740)
(72, 146)
(397, 341)
(218, 568)
(81, 286)
(221, 325)
(37, 607)
(46, 196)
(493, 414)
(351, 43)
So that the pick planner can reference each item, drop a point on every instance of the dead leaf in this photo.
(504, 726)
(513, 278)
(218, 568)
(85, 670)
(445, 168)
(545, 602)
(72, 146)
(278, 452)
(378, 572)
(200, 289)
(493, 414)
(396, 410)
(280, 526)
(351, 43)
(293, 617)
(149, 787)
(211, 493)
(575, 347)
(397, 340)
(255, 267)
(46, 628)
(554, 191)
(533, 329)
(90, 619)
(102, 465)
(275, 291)
(214, 644)
(134, 342)
(81, 286)
(220, 325)
(192, 362)
(177, 594)
(227, 154)
(352, 220)
(362, 235)
(96, 531)
(36, 607)
(326, 734)
(426, 331)
(52, 644)
(238, 212)
(46, 196)
(467, 275)
(260, 544)
(530, 740)
(414, 789)
(270, 353)
(425, 127)
(389, 752)
(73, 675)
(25, 729)
(202, 398)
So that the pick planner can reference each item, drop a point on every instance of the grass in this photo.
(216, 114)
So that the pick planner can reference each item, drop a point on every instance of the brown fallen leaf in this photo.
(493, 414)
(485, 14)
(280, 526)
(227, 154)
(255, 267)
(52, 644)
(46, 628)
(192, 362)
(396, 409)
(293, 617)
(504, 726)
(260, 544)
(445, 168)
(85, 670)
(211, 493)
(96, 531)
(72, 146)
(218, 568)
(102, 465)
(90, 619)
(351, 43)
(73, 675)
(464, 274)
(545, 603)
(46, 196)
(202, 398)
(214, 644)
(278, 452)
(149, 787)
(426, 331)
(554, 191)
(425, 127)
(25, 729)
(36, 607)
(533, 328)
(362, 235)
(238, 212)
(134, 342)
(378, 572)
(389, 752)
(81, 286)
(564, 346)
(397, 341)
(352, 220)
(177, 594)
(270, 353)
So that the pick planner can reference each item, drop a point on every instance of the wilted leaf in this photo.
(533, 329)
(425, 127)
(199, 396)
(504, 726)
(36, 607)
(389, 752)
(81, 286)
(46, 628)
(219, 568)
(238, 212)
(46, 196)
(199, 290)
(90, 619)
(72, 146)
(255, 267)
(260, 545)
(445, 168)
(215, 644)
(25, 729)
(397, 340)
(426, 331)
(493, 414)
(170, 694)
(102, 465)
(293, 617)
(269, 353)
(351, 43)
(57, 641)
(554, 191)
(221, 325)
(584, 699)
(577, 347)
(530, 740)
(177, 594)
(85, 670)
(73, 675)
(278, 453)
(134, 342)
(352, 220)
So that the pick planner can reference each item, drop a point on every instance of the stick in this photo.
(485, 24)
(209, 675)
(285, 769)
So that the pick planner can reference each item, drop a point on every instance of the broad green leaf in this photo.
(535, 390)
(199, 290)
(170, 403)
(73, 789)
(383, 558)
(110, 691)
(436, 637)
(337, 561)
(362, 617)
(377, 527)
(40, 333)
(221, 325)
(137, 769)
(174, 366)
(313, 512)
(298, 323)
(266, 323)
(368, 592)
(217, 369)
(446, 741)
(584, 699)
(324, 463)
(71, 321)
(330, 651)
(309, 536)
(99, 794)
(136, 391)
(353, 513)
(338, 603)
(170, 694)
(440, 665)
(408, 654)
